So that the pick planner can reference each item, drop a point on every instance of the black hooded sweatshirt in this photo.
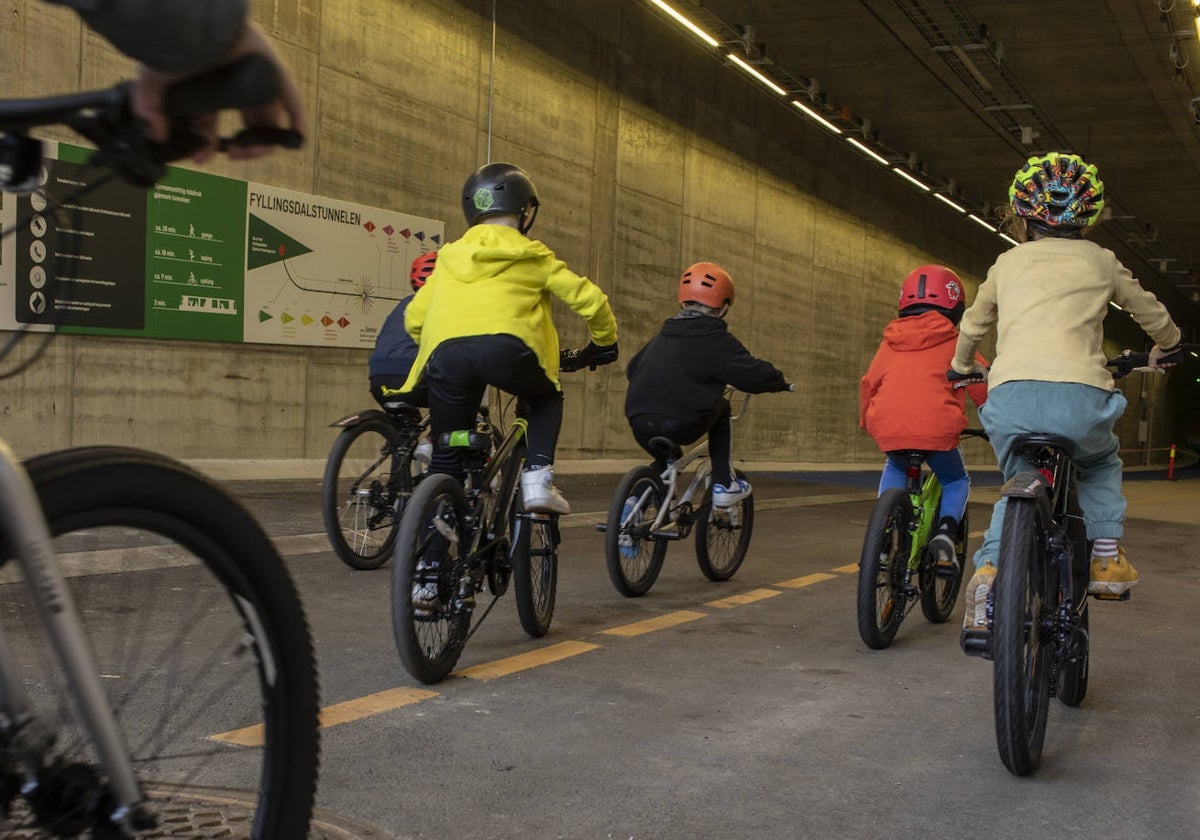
(684, 369)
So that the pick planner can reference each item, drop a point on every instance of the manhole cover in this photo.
(204, 814)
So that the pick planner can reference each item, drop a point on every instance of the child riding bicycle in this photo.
(1048, 298)
(677, 381)
(906, 403)
(395, 351)
(486, 321)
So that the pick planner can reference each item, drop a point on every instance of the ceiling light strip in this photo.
(753, 72)
(950, 203)
(867, 151)
(981, 222)
(1009, 239)
(814, 115)
(693, 28)
(911, 179)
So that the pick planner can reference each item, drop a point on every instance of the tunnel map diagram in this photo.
(201, 257)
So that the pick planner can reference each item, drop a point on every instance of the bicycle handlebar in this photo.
(1129, 362)
(105, 118)
(591, 357)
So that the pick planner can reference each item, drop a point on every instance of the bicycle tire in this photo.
(368, 477)
(881, 568)
(1022, 652)
(431, 642)
(187, 683)
(1073, 678)
(722, 540)
(940, 594)
(635, 566)
(535, 571)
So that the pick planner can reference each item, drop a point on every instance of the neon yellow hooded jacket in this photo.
(496, 281)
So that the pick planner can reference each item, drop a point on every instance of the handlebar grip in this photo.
(286, 138)
(246, 83)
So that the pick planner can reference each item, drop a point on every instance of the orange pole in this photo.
(1171, 464)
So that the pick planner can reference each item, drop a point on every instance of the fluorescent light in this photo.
(1198, 25)
(756, 74)
(980, 221)
(810, 112)
(1008, 238)
(945, 200)
(696, 30)
(972, 68)
(910, 178)
(1115, 306)
(866, 151)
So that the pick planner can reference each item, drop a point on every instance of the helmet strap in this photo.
(525, 222)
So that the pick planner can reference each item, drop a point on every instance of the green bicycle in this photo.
(896, 569)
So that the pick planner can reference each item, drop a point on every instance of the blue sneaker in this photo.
(729, 496)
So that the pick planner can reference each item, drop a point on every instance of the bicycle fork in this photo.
(24, 526)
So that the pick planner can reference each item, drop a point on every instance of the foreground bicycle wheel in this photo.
(200, 639)
(1021, 645)
(535, 571)
(885, 553)
(723, 536)
(368, 476)
(633, 556)
(429, 551)
(940, 593)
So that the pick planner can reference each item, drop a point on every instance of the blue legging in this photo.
(950, 469)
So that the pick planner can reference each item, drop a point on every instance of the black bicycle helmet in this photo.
(500, 188)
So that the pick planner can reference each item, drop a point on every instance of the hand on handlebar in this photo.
(591, 357)
(1157, 360)
(149, 101)
(962, 380)
(1160, 358)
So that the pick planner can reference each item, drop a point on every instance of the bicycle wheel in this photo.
(201, 642)
(368, 476)
(1073, 678)
(723, 536)
(535, 571)
(1022, 647)
(634, 557)
(885, 552)
(939, 594)
(429, 551)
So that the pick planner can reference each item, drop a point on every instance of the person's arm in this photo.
(976, 322)
(1146, 309)
(414, 316)
(978, 390)
(868, 386)
(587, 300)
(174, 39)
(747, 373)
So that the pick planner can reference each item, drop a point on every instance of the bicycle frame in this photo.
(491, 514)
(925, 497)
(25, 530)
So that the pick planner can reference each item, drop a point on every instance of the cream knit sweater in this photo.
(1048, 299)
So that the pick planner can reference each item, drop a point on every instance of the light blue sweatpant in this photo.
(1082, 413)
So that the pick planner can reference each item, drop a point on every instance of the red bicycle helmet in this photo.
(422, 267)
(932, 287)
(706, 283)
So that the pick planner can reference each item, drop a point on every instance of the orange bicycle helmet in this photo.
(932, 288)
(422, 267)
(706, 283)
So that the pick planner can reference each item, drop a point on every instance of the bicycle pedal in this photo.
(1105, 596)
(602, 527)
(976, 643)
(665, 535)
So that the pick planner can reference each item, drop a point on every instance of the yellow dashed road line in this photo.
(809, 580)
(673, 619)
(849, 569)
(524, 661)
(745, 598)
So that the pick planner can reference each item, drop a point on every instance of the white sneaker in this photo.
(540, 494)
(423, 453)
(729, 496)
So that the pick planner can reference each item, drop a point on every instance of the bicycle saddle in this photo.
(402, 410)
(665, 448)
(1037, 441)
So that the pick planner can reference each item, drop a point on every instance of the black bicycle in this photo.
(1037, 614)
(369, 476)
(458, 539)
(121, 695)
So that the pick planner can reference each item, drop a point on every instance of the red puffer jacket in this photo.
(905, 401)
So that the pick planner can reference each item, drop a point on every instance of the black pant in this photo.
(720, 437)
(458, 372)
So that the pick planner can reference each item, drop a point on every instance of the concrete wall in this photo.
(648, 156)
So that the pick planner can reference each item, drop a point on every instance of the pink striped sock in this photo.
(1104, 548)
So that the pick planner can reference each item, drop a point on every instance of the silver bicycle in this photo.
(152, 645)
